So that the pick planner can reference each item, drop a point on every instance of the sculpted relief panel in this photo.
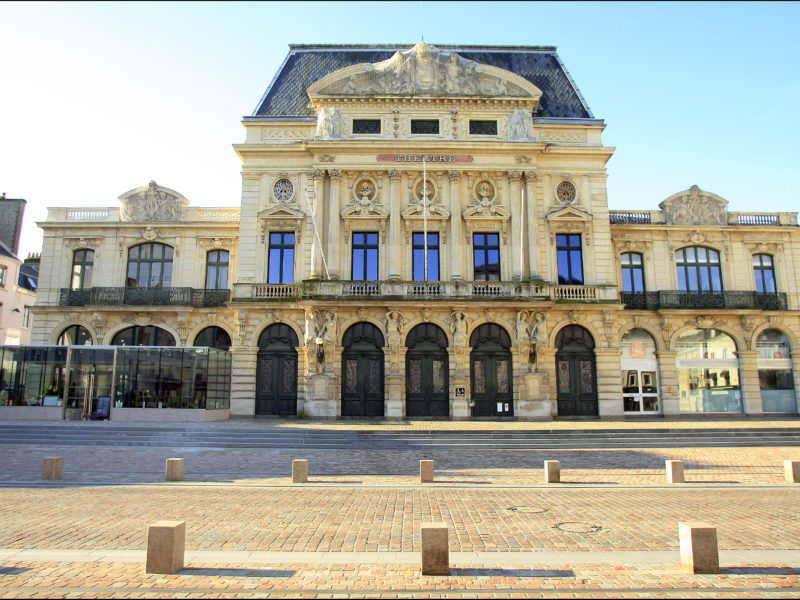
(695, 207)
(152, 203)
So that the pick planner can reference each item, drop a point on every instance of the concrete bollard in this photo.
(791, 471)
(552, 471)
(674, 471)
(426, 471)
(166, 541)
(699, 553)
(435, 549)
(174, 469)
(51, 467)
(299, 471)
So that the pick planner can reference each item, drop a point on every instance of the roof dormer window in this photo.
(424, 126)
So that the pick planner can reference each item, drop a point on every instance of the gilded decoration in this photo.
(695, 207)
(152, 203)
(424, 70)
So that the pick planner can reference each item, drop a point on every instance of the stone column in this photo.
(515, 246)
(395, 226)
(456, 239)
(243, 380)
(668, 380)
(749, 382)
(609, 384)
(531, 269)
(333, 216)
(316, 205)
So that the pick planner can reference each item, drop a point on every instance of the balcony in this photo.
(423, 290)
(728, 299)
(159, 296)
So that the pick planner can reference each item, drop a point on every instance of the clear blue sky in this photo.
(99, 98)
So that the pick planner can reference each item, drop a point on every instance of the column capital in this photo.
(335, 174)
(514, 175)
(454, 175)
(530, 176)
(318, 174)
(394, 174)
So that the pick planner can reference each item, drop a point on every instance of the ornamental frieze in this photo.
(152, 203)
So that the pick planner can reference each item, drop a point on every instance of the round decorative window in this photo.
(565, 191)
(283, 190)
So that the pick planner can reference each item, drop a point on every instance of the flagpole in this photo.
(425, 212)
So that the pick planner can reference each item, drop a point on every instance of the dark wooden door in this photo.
(427, 382)
(276, 383)
(577, 387)
(490, 374)
(362, 381)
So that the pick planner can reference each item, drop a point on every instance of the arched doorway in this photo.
(639, 373)
(708, 372)
(576, 375)
(276, 371)
(427, 368)
(775, 372)
(490, 372)
(362, 371)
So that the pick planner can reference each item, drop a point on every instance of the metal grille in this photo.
(366, 125)
(502, 377)
(374, 377)
(438, 377)
(415, 376)
(289, 372)
(480, 377)
(482, 127)
(424, 126)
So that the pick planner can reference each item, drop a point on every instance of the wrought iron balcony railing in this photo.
(158, 296)
(728, 299)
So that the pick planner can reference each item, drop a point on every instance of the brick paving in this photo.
(235, 501)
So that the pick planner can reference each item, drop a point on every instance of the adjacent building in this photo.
(425, 232)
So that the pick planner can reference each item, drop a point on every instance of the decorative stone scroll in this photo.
(152, 203)
(485, 212)
(695, 207)
(424, 70)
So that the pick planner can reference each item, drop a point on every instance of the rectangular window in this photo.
(418, 257)
(3, 276)
(26, 317)
(570, 259)
(632, 273)
(366, 125)
(482, 127)
(365, 256)
(281, 257)
(217, 270)
(765, 274)
(421, 126)
(486, 256)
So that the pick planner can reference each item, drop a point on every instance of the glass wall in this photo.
(92, 379)
(708, 372)
(775, 372)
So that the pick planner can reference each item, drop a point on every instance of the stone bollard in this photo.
(435, 549)
(426, 471)
(552, 471)
(174, 469)
(791, 471)
(699, 552)
(299, 471)
(51, 467)
(165, 546)
(675, 471)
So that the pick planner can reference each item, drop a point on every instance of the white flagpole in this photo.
(521, 230)
(425, 212)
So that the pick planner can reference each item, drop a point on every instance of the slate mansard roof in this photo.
(305, 64)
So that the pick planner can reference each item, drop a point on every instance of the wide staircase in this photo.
(389, 437)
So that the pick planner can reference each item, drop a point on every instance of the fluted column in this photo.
(456, 239)
(333, 216)
(316, 213)
(531, 267)
(516, 215)
(395, 227)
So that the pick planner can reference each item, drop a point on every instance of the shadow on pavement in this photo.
(759, 571)
(13, 570)
(488, 572)
(237, 572)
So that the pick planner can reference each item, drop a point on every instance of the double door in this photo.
(576, 380)
(362, 383)
(276, 383)
(491, 384)
(427, 384)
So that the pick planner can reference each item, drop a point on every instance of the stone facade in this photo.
(530, 299)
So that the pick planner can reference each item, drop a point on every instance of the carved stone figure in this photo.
(458, 327)
(695, 207)
(328, 329)
(312, 328)
(520, 126)
(152, 203)
(522, 328)
(539, 328)
(330, 124)
(394, 328)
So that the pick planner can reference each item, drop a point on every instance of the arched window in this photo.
(75, 335)
(149, 266)
(217, 270)
(213, 337)
(82, 266)
(639, 372)
(775, 372)
(764, 270)
(698, 269)
(708, 372)
(148, 335)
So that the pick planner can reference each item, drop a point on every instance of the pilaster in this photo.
(531, 267)
(395, 226)
(316, 213)
(668, 380)
(609, 382)
(334, 221)
(749, 382)
(243, 380)
(455, 240)
(516, 245)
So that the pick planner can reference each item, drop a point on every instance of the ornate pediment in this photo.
(695, 207)
(424, 70)
(486, 216)
(281, 217)
(569, 213)
(152, 203)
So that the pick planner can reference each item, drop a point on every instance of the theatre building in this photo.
(425, 232)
